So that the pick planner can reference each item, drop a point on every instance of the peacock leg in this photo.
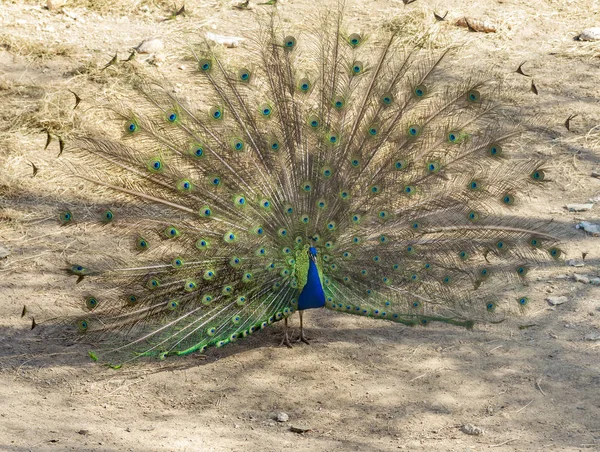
(286, 339)
(302, 337)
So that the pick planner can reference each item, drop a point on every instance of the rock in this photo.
(227, 41)
(592, 228)
(555, 301)
(53, 5)
(589, 34)
(579, 207)
(575, 263)
(592, 337)
(4, 253)
(282, 417)
(587, 279)
(483, 26)
(471, 429)
(300, 429)
(152, 45)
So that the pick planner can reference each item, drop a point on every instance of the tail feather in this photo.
(399, 173)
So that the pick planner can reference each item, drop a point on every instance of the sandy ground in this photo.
(362, 384)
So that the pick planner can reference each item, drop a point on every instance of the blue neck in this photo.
(312, 295)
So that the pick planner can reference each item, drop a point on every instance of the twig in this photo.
(521, 409)
(416, 378)
(505, 442)
(537, 383)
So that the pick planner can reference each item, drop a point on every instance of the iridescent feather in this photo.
(326, 164)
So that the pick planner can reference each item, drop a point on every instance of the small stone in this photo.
(152, 45)
(581, 278)
(575, 263)
(300, 429)
(579, 207)
(592, 228)
(555, 301)
(471, 429)
(589, 34)
(53, 5)
(84, 432)
(227, 41)
(592, 337)
(282, 417)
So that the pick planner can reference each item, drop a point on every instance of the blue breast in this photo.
(312, 295)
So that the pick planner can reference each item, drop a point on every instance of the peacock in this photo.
(325, 170)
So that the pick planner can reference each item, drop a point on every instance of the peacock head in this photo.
(312, 253)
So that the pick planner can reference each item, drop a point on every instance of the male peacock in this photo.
(324, 171)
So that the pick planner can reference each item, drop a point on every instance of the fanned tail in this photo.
(400, 171)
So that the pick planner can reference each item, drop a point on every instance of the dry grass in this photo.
(34, 50)
(122, 6)
(33, 109)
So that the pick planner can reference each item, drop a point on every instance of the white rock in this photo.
(227, 41)
(282, 417)
(592, 228)
(555, 301)
(152, 45)
(575, 263)
(55, 4)
(592, 337)
(579, 207)
(589, 34)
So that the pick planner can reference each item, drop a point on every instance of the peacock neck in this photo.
(312, 295)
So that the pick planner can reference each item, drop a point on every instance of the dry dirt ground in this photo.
(361, 385)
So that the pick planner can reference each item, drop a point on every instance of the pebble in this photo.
(471, 429)
(592, 337)
(227, 41)
(555, 301)
(152, 45)
(53, 5)
(586, 279)
(282, 417)
(4, 253)
(589, 34)
(575, 263)
(579, 207)
(592, 228)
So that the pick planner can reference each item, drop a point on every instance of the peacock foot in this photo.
(303, 338)
(286, 341)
